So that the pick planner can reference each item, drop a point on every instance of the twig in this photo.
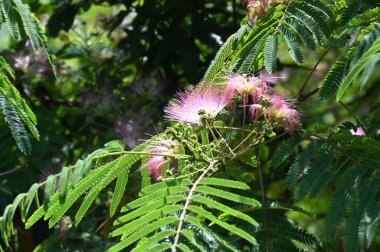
(244, 140)
(354, 116)
(230, 128)
(263, 202)
(187, 203)
(300, 93)
(10, 171)
(178, 156)
(306, 96)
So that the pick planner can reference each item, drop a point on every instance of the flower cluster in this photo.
(160, 149)
(193, 105)
(258, 8)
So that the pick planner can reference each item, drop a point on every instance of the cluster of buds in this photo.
(258, 8)
(161, 151)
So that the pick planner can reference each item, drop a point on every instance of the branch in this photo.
(300, 93)
(263, 203)
(10, 171)
(187, 203)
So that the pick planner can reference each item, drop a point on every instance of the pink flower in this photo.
(155, 166)
(245, 86)
(282, 112)
(358, 132)
(255, 110)
(156, 162)
(189, 105)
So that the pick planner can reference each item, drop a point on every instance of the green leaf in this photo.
(32, 193)
(154, 196)
(150, 207)
(149, 242)
(121, 183)
(11, 16)
(225, 209)
(285, 149)
(16, 126)
(333, 79)
(28, 22)
(292, 44)
(224, 183)
(131, 227)
(64, 183)
(369, 69)
(357, 68)
(235, 230)
(339, 202)
(227, 195)
(270, 53)
(6, 67)
(300, 163)
(121, 166)
(152, 227)
(49, 190)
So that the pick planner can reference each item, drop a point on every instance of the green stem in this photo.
(300, 93)
(204, 137)
(354, 116)
(263, 203)
(178, 156)
(244, 140)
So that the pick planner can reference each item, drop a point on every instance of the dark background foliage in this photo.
(118, 64)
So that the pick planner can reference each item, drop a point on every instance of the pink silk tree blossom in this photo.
(245, 86)
(188, 105)
(358, 132)
(282, 112)
(156, 162)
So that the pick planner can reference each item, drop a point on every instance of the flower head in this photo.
(282, 112)
(189, 106)
(358, 132)
(156, 162)
(245, 86)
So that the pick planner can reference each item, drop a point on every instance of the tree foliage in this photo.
(230, 181)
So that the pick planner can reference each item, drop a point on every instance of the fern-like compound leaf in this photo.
(270, 53)
(340, 200)
(292, 44)
(121, 183)
(285, 149)
(300, 163)
(28, 23)
(152, 227)
(228, 195)
(49, 190)
(357, 68)
(64, 179)
(224, 183)
(333, 79)
(16, 126)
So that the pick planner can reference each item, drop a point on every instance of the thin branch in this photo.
(306, 96)
(187, 203)
(10, 171)
(178, 156)
(230, 128)
(354, 116)
(263, 202)
(244, 140)
(300, 93)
